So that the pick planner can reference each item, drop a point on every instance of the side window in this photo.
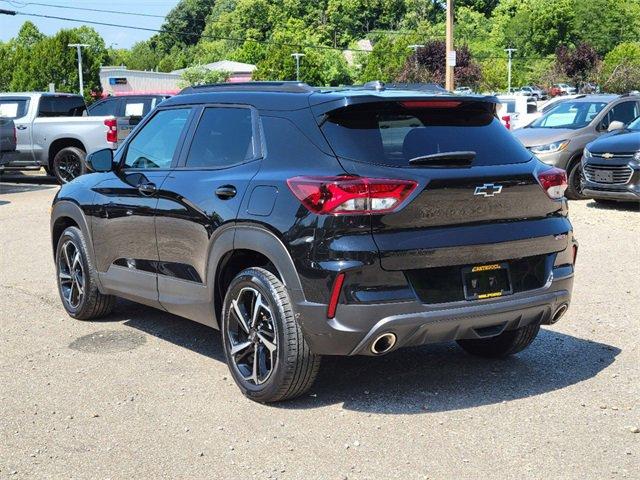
(155, 145)
(137, 107)
(623, 112)
(61, 106)
(103, 108)
(223, 137)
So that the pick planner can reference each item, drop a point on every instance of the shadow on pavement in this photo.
(17, 182)
(433, 378)
(613, 205)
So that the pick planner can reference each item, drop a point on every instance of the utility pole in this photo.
(79, 46)
(415, 52)
(510, 52)
(451, 53)
(297, 56)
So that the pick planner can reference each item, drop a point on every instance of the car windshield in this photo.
(572, 115)
(634, 125)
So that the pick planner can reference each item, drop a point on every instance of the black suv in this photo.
(306, 221)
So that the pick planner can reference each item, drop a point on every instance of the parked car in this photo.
(559, 136)
(54, 132)
(464, 91)
(305, 222)
(129, 110)
(7, 135)
(515, 111)
(611, 164)
(533, 92)
(566, 89)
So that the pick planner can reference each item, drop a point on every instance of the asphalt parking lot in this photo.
(146, 394)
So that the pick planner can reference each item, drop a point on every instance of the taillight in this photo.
(553, 181)
(350, 195)
(506, 121)
(112, 129)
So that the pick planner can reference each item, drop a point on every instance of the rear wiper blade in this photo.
(445, 159)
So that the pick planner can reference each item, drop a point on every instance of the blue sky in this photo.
(119, 37)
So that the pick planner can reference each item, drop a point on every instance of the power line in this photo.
(20, 4)
(184, 34)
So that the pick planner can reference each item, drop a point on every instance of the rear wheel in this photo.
(69, 163)
(575, 179)
(503, 345)
(263, 344)
(77, 279)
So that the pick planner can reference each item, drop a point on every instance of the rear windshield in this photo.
(59, 106)
(13, 107)
(395, 132)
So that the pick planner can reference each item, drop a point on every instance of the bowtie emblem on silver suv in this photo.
(488, 190)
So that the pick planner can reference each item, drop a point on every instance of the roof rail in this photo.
(286, 87)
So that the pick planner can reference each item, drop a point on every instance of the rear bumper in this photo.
(356, 326)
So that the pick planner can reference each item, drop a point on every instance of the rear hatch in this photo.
(477, 198)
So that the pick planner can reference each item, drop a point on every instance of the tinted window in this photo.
(570, 114)
(103, 108)
(635, 125)
(155, 145)
(392, 134)
(59, 106)
(623, 112)
(13, 107)
(224, 137)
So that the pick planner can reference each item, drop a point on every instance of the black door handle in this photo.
(226, 192)
(147, 188)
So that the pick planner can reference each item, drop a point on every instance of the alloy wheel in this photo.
(68, 167)
(252, 337)
(71, 274)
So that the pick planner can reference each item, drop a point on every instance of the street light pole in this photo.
(450, 56)
(510, 52)
(79, 46)
(297, 56)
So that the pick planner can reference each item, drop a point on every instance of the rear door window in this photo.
(13, 108)
(395, 132)
(61, 106)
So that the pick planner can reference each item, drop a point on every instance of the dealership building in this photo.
(122, 81)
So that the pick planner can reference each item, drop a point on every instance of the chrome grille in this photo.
(613, 155)
(620, 174)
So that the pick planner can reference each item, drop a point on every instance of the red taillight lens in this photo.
(553, 181)
(431, 104)
(506, 121)
(350, 195)
(112, 130)
(335, 295)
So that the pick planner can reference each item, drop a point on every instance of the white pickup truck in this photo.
(53, 131)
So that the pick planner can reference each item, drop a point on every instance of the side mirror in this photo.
(615, 125)
(101, 160)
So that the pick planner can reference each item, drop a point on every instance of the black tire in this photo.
(48, 171)
(503, 345)
(574, 180)
(294, 368)
(92, 303)
(69, 163)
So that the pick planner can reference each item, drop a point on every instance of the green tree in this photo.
(188, 16)
(621, 68)
(200, 76)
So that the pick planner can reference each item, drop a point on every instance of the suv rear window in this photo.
(61, 106)
(393, 133)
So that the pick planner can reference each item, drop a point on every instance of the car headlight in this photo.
(586, 154)
(551, 147)
(637, 156)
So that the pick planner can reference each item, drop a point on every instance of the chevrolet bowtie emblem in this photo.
(488, 190)
(608, 155)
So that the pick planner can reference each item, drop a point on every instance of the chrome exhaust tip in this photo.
(383, 343)
(557, 315)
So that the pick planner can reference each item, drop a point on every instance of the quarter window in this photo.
(154, 146)
(223, 137)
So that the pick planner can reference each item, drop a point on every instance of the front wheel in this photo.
(267, 355)
(69, 163)
(503, 345)
(575, 179)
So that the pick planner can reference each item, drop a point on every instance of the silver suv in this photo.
(560, 135)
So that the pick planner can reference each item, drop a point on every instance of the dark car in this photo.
(611, 165)
(305, 222)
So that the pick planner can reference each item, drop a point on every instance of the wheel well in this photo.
(61, 143)
(60, 225)
(232, 264)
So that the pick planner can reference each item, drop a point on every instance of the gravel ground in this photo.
(146, 394)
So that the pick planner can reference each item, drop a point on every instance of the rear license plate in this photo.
(486, 281)
(603, 176)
